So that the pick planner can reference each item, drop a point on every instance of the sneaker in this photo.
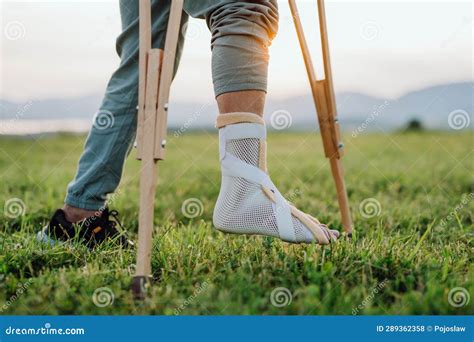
(92, 231)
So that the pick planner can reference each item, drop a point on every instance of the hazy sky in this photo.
(53, 49)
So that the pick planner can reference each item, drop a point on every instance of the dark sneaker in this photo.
(91, 231)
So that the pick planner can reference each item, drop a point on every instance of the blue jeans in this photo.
(241, 33)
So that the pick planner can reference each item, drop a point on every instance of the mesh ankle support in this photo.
(242, 206)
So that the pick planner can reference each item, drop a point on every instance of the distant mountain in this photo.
(430, 105)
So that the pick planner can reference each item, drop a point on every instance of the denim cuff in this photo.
(86, 204)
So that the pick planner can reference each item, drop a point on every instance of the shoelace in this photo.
(121, 234)
(112, 224)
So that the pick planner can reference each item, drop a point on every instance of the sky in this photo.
(62, 49)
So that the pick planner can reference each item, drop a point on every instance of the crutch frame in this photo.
(156, 68)
(325, 103)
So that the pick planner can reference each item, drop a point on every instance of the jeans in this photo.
(241, 33)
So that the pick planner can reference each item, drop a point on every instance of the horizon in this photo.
(270, 97)
(441, 107)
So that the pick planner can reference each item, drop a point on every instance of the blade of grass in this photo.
(423, 237)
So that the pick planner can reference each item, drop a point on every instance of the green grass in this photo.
(402, 261)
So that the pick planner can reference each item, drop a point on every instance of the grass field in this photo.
(412, 203)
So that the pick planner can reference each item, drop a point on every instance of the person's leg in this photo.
(113, 132)
(250, 101)
(248, 201)
(241, 33)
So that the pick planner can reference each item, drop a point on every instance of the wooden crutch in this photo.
(325, 102)
(155, 75)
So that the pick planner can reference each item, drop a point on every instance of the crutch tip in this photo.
(349, 235)
(140, 285)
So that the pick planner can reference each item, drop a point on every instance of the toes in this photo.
(331, 234)
(323, 238)
(322, 234)
(327, 233)
(335, 233)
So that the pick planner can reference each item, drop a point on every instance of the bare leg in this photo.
(74, 214)
(249, 101)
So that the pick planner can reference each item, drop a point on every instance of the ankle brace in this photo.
(249, 202)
